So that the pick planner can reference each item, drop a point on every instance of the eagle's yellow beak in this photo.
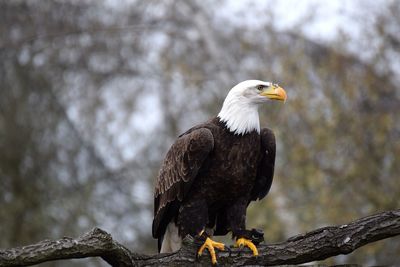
(274, 92)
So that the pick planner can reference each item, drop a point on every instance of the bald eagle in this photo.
(214, 170)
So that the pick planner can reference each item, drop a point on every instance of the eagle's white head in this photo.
(240, 109)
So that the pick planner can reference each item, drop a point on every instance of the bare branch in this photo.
(315, 245)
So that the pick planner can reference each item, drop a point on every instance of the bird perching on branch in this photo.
(214, 170)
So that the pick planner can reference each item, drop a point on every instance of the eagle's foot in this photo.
(211, 246)
(249, 238)
(243, 242)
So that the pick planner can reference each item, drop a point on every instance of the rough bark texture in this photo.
(315, 245)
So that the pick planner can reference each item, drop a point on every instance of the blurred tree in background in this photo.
(93, 93)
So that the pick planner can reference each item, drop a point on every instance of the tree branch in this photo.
(315, 245)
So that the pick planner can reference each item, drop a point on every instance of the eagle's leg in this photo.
(210, 245)
(236, 217)
(192, 220)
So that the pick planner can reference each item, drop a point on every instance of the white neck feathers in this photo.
(239, 114)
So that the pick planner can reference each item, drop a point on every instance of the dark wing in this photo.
(265, 170)
(178, 171)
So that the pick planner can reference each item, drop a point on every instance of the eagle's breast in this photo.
(232, 167)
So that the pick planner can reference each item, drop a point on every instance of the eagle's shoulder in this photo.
(267, 138)
(184, 158)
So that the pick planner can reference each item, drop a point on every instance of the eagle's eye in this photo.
(260, 88)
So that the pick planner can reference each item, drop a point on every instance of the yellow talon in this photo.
(241, 242)
(210, 245)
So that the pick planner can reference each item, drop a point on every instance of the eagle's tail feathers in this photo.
(171, 241)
